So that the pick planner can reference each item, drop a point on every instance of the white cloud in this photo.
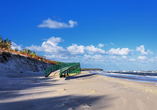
(124, 57)
(118, 51)
(52, 49)
(15, 46)
(144, 59)
(131, 59)
(141, 57)
(72, 23)
(115, 58)
(58, 57)
(142, 50)
(101, 45)
(35, 48)
(55, 24)
(93, 50)
(75, 49)
(152, 60)
(94, 58)
(149, 51)
(50, 46)
(88, 53)
(54, 41)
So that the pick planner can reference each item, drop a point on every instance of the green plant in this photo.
(29, 51)
(21, 51)
(34, 54)
(5, 43)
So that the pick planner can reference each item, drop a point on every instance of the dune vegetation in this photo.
(6, 46)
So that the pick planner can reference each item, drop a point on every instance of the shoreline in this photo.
(132, 77)
(85, 91)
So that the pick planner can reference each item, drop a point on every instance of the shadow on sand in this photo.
(10, 88)
(80, 76)
(13, 84)
(67, 102)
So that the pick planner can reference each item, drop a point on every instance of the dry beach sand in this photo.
(85, 91)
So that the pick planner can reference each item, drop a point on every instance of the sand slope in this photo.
(54, 74)
(32, 91)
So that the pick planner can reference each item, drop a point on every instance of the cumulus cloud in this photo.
(55, 24)
(52, 49)
(89, 53)
(118, 51)
(142, 50)
(15, 46)
(54, 41)
(93, 50)
(123, 59)
(144, 59)
(75, 49)
(141, 57)
(101, 45)
(94, 58)
(50, 46)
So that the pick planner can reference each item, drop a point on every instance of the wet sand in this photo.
(84, 91)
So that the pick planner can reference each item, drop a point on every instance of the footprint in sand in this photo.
(62, 90)
(70, 101)
(149, 97)
(62, 104)
(83, 106)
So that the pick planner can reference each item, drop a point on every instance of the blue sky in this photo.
(112, 35)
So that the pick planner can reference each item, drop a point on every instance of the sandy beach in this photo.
(85, 91)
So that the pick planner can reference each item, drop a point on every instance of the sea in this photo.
(135, 76)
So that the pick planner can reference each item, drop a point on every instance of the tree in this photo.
(29, 51)
(5, 43)
(8, 43)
